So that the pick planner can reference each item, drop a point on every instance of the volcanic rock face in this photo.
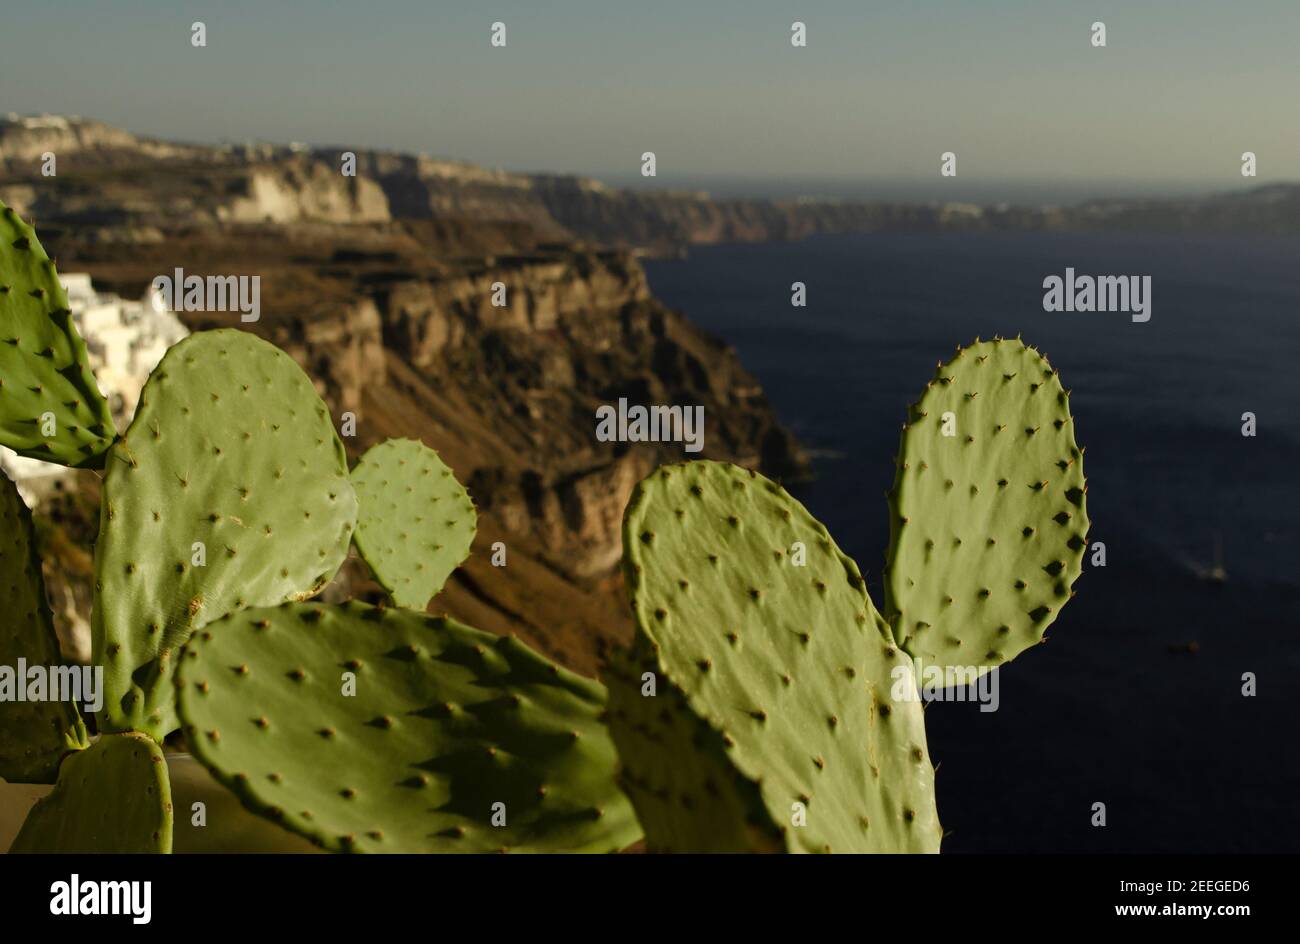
(293, 191)
(419, 187)
(426, 317)
(341, 348)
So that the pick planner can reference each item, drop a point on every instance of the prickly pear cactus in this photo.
(385, 730)
(416, 522)
(50, 406)
(226, 826)
(688, 795)
(112, 797)
(229, 490)
(988, 516)
(34, 735)
(748, 609)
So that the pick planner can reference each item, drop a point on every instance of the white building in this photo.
(40, 122)
(125, 341)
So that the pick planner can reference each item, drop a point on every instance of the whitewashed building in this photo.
(125, 340)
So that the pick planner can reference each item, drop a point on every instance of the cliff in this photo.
(516, 388)
(188, 184)
(24, 139)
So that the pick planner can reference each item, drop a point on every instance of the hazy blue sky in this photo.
(714, 88)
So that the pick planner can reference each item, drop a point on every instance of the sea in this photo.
(1142, 699)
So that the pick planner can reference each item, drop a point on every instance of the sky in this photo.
(714, 87)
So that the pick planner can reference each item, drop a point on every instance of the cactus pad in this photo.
(229, 490)
(764, 626)
(226, 826)
(988, 518)
(50, 406)
(112, 797)
(441, 723)
(675, 768)
(415, 522)
(34, 735)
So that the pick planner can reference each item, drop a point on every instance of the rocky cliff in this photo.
(100, 186)
(26, 139)
(298, 190)
(254, 183)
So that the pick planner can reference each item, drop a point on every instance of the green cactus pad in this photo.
(788, 664)
(443, 722)
(988, 525)
(112, 797)
(34, 735)
(674, 767)
(231, 449)
(416, 522)
(50, 406)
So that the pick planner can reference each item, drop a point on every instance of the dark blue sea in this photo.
(1136, 702)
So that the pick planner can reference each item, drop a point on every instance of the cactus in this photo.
(75, 817)
(50, 406)
(373, 730)
(34, 735)
(765, 627)
(226, 825)
(229, 490)
(673, 765)
(415, 523)
(988, 518)
(791, 692)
